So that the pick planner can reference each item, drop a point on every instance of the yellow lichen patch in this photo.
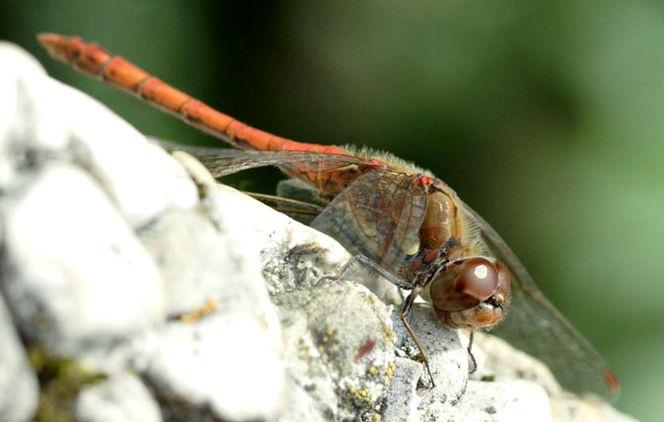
(207, 308)
(352, 390)
(388, 333)
(376, 417)
(372, 369)
(390, 369)
(303, 349)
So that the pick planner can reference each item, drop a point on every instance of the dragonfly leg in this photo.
(473, 362)
(368, 264)
(405, 316)
(341, 272)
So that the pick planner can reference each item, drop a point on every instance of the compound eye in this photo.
(504, 279)
(466, 285)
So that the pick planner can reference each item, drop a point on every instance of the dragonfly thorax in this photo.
(441, 220)
(446, 234)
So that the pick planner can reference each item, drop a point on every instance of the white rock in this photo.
(312, 394)
(141, 177)
(342, 354)
(19, 390)
(338, 335)
(32, 126)
(207, 255)
(447, 357)
(402, 400)
(74, 273)
(222, 366)
(40, 117)
(567, 408)
(351, 316)
(121, 398)
(498, 359)
(200, 261)
(454, 396)
(514, 401)
(292, 255)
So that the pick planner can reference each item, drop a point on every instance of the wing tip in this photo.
(612, 383)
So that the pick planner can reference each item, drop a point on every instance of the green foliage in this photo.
(60, 381)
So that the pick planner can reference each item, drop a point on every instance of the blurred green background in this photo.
(546, 116)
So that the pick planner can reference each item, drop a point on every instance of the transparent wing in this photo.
(378, 216)
(535, 326)
(225, 161)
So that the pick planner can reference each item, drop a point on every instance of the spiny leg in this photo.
(470, 353)
(405, 314)
(368, 264)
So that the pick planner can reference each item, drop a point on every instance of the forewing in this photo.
(225, 161)
(536, 327)
(379, 216)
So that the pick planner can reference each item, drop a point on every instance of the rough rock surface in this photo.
(19, 390)
(121, 398)
(147, 292)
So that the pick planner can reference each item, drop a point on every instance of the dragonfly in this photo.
(393, 216)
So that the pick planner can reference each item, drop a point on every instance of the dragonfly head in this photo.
(471, 293)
